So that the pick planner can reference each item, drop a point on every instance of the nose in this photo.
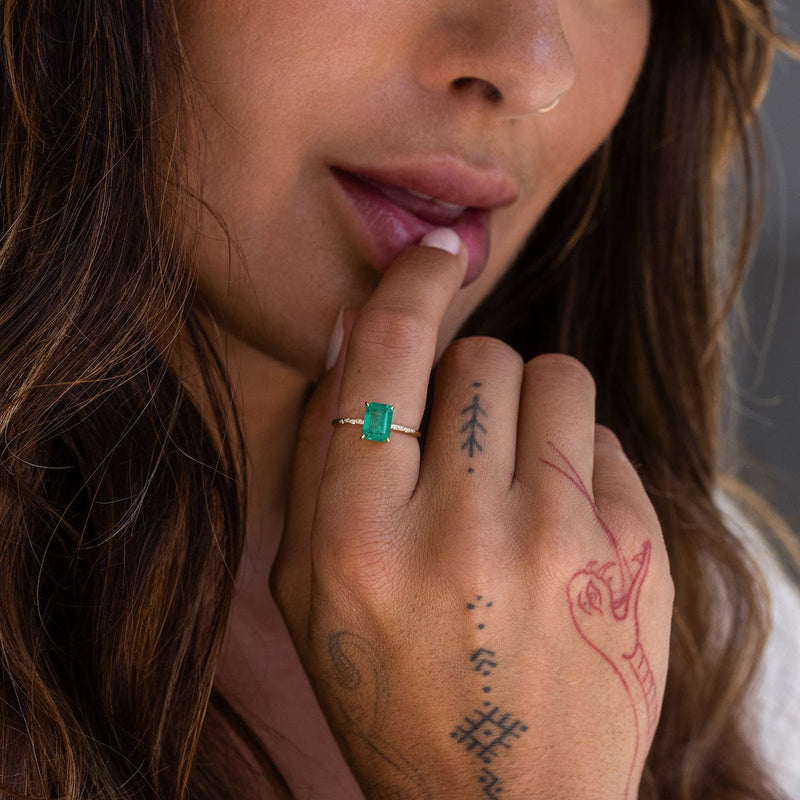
(510, 54)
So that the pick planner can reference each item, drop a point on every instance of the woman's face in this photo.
(322, 121)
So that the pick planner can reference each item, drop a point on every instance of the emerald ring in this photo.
(377, 424)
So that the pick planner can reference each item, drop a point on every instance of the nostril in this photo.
(487, 89)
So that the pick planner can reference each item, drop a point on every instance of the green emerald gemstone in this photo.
(377, 422)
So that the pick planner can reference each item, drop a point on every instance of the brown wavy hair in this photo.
(115, 583)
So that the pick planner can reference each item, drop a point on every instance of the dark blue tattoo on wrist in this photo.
(487, 731)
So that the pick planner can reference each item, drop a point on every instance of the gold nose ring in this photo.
(549, 107)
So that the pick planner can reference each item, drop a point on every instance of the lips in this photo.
(392, 210)
(426, 207)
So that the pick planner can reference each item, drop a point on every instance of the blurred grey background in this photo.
(769, 364)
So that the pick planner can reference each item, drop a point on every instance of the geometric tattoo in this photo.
(485, 732)
(473, 427)
(488, 730)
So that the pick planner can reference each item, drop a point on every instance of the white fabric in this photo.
(775, 707)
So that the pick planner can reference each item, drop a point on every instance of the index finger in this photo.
(390, 356)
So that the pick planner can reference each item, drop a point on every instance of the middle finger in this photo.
(471, 445)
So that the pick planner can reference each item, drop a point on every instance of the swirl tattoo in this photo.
(360, 717)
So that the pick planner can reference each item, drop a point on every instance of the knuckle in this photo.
(476, 518)
(482, 352)
(606, 438)
(362, 561)
(553, 506)
(564, 537)
(631, 523)
(563, 369)
(394, 332)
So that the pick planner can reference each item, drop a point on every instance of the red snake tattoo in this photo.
(604, 603)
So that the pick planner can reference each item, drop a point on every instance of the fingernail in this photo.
(442, 239)
(337, 337)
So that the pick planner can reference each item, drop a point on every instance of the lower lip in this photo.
(387, 229)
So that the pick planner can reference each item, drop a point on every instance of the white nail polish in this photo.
(442, 239)
(337, 337)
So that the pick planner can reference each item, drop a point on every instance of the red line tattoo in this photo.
(604, 603)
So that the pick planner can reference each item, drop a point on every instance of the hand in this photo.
(490, 619)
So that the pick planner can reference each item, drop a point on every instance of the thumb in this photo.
(291, 573)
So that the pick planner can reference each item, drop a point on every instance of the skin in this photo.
(285, 89)
(376, 578)
(276, 115)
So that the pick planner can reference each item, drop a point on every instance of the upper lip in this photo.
(447, 180)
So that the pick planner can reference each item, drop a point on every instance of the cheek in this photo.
(609, 42)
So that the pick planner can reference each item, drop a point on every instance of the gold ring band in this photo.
(394, 427)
